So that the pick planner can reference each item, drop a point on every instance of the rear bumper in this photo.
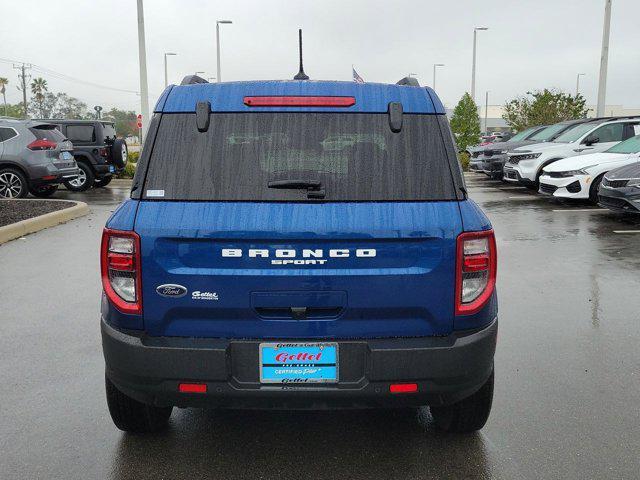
(53, 176)
(446, 369)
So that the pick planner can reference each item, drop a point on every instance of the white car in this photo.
(580, 176)
(525, 164)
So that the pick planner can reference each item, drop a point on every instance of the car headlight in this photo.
(571, 173)
(526, 156)
(634, 182)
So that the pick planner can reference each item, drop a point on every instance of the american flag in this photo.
(356, 78)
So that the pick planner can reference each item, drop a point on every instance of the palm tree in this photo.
(3, 83)
(38, 89)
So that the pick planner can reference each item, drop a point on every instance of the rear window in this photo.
(356, 157)
(109, 131)
(47, 132)
(81, 133)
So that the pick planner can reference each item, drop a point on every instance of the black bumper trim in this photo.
(446, 370)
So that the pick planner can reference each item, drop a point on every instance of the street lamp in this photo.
(218, 22)
(578, 83)
(604, 59)
(473, 66)
(434, 73)
(166, 81)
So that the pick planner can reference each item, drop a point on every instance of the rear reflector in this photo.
(403, 387)
(192, 388)
(49, 177)
(298, 101)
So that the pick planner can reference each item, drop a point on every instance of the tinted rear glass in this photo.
(81, 133)
(109, 131)
(47, 132)
(356, 157)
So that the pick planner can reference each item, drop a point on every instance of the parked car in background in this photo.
(620, 189)
(34, 157)
(96, 148)
(580, 176)
(482, 158)
(525, 164)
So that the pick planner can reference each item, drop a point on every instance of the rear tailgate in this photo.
(297, 270)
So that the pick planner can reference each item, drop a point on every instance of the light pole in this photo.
(434, 73)
(166, 80)
(486, 109)
(604, 59)
(473, 66)
(218, 22)
(578, 83)
(142, 58)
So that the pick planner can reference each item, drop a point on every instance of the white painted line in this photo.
(526, 197)
(626, 231)
(600, 210)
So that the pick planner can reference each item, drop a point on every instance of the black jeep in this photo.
(97, 150)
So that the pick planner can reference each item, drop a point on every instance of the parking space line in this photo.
(526, 197)
(626, 231)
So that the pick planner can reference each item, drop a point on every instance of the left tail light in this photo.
(42, 144)
(476, 266)
(120, 267)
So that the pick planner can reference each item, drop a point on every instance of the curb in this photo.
(35, 224)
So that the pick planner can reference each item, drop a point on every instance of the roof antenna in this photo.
(300, 75)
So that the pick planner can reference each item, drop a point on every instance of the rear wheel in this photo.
(43, 191)
(102, 182)
(83, 181)
(119, 152)
(13, 184)
(467, 415)
(593, 190)
(132, 416)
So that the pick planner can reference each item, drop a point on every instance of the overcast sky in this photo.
(530, 44)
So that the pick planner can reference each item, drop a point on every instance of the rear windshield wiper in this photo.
(294, 184)
(314, 187)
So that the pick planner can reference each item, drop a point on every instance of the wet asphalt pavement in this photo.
(567, 398)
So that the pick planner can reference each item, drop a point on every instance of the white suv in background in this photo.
(525, 164)
(580, 177)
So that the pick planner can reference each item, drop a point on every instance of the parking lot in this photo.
(567, 369)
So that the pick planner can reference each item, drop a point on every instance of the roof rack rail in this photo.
(412, 82)
(192, 80)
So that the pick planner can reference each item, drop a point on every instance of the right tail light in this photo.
(476, 265)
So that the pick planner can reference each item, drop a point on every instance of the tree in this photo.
(3, 84)
(126, 121)
(15, 111)
(38, 90)
(543, 107)
(465, 122)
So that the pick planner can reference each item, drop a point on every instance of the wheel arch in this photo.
(16, 166)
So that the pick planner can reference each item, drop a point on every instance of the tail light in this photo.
(476, 267)
(120, 267)
(42, 144)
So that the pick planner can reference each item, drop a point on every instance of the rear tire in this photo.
(468, 415)
(119, 153)
(593, 190)
(43, 191)
(84, 181)
(102, 182)
(13, 184)
(132, 416)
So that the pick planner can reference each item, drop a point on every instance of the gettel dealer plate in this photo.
(298, 362)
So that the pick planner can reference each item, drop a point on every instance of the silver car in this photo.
(34, 157)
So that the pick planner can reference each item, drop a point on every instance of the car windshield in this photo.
(575, 133)
(262, 157)
(522, 135)
(549, 133)
(631, 145)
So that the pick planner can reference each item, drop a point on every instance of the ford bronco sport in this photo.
(298, 244)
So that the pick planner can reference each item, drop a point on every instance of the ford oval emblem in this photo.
(171, 290)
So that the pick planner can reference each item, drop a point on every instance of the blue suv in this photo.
(298, 244)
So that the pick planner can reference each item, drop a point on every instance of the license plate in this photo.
(298, 362)
(66, 156)
(112, 168)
